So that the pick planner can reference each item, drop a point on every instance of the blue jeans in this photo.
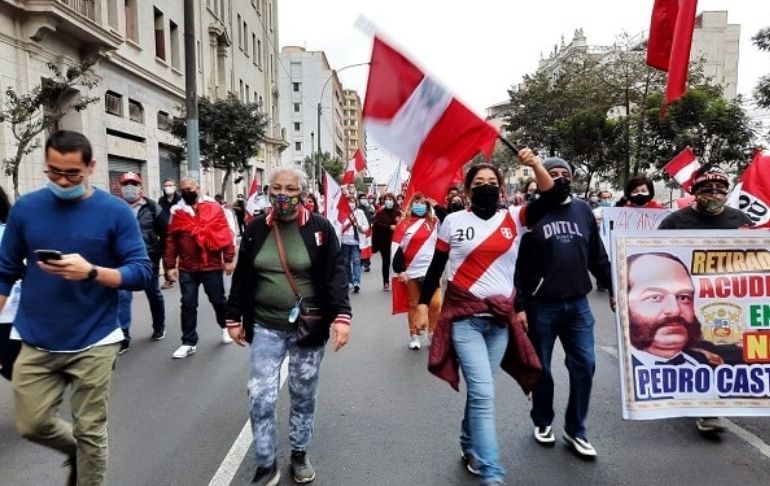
(572, 322)
(352, 256)
(480, 345)
(214, 286)
(154, 298)
(268, 349)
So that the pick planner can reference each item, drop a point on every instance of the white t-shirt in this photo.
(482, 254)
(417, 242)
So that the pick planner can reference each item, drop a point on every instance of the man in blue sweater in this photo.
(552, 281)
(67, 318)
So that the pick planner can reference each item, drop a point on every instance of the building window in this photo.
(295, 87)
(160, 35)
(259, 52)
(254, 47)
(174, 32)
(164, 121)
(297, 126)
(240, 97)
(297, 107)
(240, 32)
(525, 172)
(298, 146)
(248, 93)
(272, 67)
(113, 103)
(246, 38)
(135, 111)
(131, 28)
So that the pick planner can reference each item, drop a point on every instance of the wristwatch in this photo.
(91, 274)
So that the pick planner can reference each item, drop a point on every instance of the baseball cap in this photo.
(130, 177)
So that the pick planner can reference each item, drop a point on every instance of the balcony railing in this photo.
(86, 8)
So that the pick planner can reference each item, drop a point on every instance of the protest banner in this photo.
(693, 322)
(624, 218)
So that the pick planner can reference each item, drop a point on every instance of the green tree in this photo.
(762, 90)
(333, 165)
(42, 108)
(230, 134)
(719, 131)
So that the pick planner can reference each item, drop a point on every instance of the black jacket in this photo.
(165, 204)
(330, 282)
(153, 224)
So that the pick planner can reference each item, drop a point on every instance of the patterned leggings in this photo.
(268, 349)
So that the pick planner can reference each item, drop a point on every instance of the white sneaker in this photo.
(183, 351)
(414, 343)
(226, 339)
(544, 435)
(710, 424)
(580, 445)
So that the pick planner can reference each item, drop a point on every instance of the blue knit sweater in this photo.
(54, 313)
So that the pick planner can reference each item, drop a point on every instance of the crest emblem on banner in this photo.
(722, 323)
(507, 233)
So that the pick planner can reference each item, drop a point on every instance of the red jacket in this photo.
(520, 360)
(198, 243)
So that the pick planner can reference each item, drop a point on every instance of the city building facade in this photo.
(139, 62)
(715, 45)
(355, 135)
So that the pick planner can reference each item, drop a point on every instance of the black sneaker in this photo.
(266, 476)
(72, 463)
(356, 288)
(471, 464)
(158, 335)
(301, 470)
(125, 345)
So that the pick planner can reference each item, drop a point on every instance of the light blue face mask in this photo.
(419, 209)
(67, 193)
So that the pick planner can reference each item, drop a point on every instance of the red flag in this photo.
(668, 48)
(399, 296)
(251, 199)
(355, 165)
(752, 194)
(335, 203)
(683, 168)
(422, 123)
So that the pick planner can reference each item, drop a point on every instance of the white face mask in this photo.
(130, 192)
(169, 190)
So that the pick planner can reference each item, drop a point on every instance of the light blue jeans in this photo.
(268, 349)
(480, 345)
(352, 256)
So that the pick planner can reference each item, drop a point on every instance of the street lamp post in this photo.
(318, 119)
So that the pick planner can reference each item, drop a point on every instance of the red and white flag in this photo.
(752, 194)
(670, 41)
(683, 168)
(251, 199)
(422, 123)
(355, 165)
(336, 206)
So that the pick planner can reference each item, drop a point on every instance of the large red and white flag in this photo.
(355, 165)
(683, 168)
(422, 123)
(336, 206)
(752, 194)
(668, 48)
(251, 199)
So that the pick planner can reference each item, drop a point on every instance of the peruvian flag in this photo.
(422, 123)
(336, 206)
(355, 165)
(752, 194)
(683, 168)
(668, 48)
(251, 199)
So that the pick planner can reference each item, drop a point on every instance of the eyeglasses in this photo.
(712, 190)
(55, 175)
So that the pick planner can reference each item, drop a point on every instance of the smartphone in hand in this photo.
(47, 255)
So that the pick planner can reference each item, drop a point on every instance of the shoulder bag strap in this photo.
(282, 258)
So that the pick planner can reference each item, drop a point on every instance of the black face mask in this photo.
(640, 199)
(189, 197)
(563, 187)
(484, 200)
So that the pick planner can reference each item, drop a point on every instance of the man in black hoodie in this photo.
(552, 281)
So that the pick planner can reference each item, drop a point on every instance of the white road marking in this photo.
(232, 461)
(747, 436)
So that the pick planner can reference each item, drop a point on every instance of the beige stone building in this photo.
(355, 135)
(715, 44)
(138, 46)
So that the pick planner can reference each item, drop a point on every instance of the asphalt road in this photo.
(381, 420)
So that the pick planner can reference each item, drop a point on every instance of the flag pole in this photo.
(508, 144)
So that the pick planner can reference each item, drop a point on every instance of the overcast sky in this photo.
(480, 48)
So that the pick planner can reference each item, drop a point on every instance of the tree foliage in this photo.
(333, 165)
(762, 90)
(230, 132)
(42, 108)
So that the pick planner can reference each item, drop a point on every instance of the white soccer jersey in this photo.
(482, 254)
(417, 239)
